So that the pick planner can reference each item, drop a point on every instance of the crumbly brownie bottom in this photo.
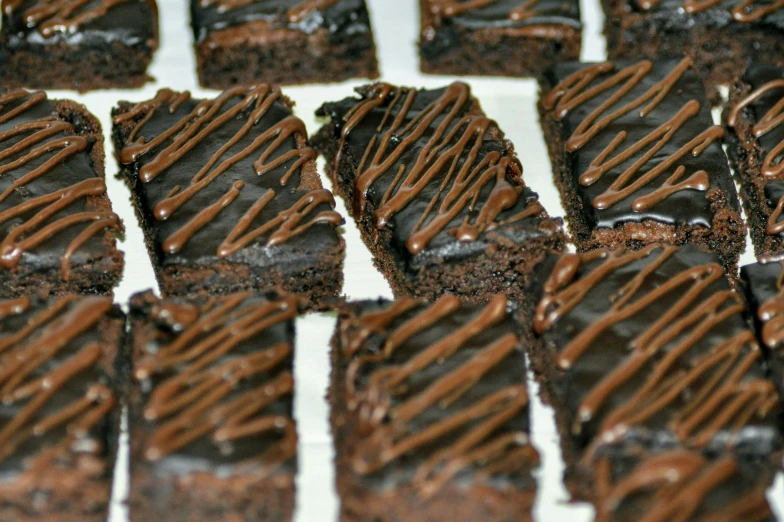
(295, 58)
(488, 55)
(72, 67)
(203, 496)
(95, 278)
(725, 237)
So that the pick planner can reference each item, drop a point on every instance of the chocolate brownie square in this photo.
(498, 37)
(429, 412)
(210, 414)
(245, 42)
(62, 374)
(637, 158)
(227, 193)
(77, 44)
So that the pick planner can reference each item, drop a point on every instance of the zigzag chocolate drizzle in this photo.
(42, 359)
(578, 89)
(211, 390)
(454, 7)
(449, 142)
(385, 409)
(210, 116)
(745, 11)
(720, 394)
(295, 13)
(55, 140)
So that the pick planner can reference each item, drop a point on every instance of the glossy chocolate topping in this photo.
(56, 398)
(743, 11)
(82, 22)
(48, 185)
(764, 285)
(681, 485)
(335, 17)
(436, 393)
(216, 384)
(221, 178)
(642, 141)
(499, 14)
(430, 165)
(653, 345)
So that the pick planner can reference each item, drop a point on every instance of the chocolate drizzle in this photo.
(449, 8)
(745, 11)
(428, 151)
(294, 14)
(43, 200)
(218, 380)
(50, 375)
(463, 417)
(238, 127)
(665, 307)
(772, 166)
(764, 284)
(611, 94)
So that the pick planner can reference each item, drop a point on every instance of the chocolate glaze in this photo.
(652, 346)
(335, 17)
(721, 11)
(86, 23)
(47, 176)
(214, 392)
(641, 141)
(220, 179)
(58, 401)
(436, 395)
(435, 171)
(681, 485)
(764, 286)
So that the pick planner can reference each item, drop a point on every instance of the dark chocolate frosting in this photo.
(80, 22)
(652, 346)
(433, 170)
(764, 286)
(641, 140)
(47, 180)
(222, 179)
(738, 14)
(57, 398)
(436, 394)
(336, 17)
(215, 384)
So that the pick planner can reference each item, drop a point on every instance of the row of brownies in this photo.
(667, 401)
(93, 44)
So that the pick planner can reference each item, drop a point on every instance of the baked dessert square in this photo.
(62, 374)
(637, 158)
(498, 37)
(722, 38)
(650, 348)
(227, 193)
(210, 409)
(246, 42)
(57, 228)
(77, 44)
(437, 192)
(429, 412)
(755, 144)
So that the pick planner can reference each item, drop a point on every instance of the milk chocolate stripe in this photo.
(576, 90)
(455, 137)
(201, 398)
(481, 447)
(32, 349)
(746, 11)
(449, 8)
(57, 141)
(679, 483)
(771, 315)
(720, 395)
(295, 14)
(186, 134)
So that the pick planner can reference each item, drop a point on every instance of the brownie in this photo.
(498, 37)
(244, 42)
(227, 193)
(721, 37)
(77, 44)
(61, 379)
(682, 485)
(429, 412)
(755, 143)
(57, 229)
(210, 410)
(637, 159)
(651, 348)
(763, 284)
(436, 191)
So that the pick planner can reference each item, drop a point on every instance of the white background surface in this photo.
(511, 102)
